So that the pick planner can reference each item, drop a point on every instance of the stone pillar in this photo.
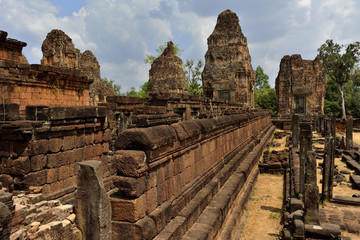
(311, 195)
(93, 208)
(349, 133)
(305, 138)
(295, 129)
(328, 169)
(333, 126)
(327, 127)
(321, 124)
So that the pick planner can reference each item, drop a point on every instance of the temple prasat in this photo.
(80, 162)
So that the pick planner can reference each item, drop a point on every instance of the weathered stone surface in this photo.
(93, 205)
(166, 73)
(349, 133)
(311, 194)
(228, 73)
(11, 49)
(5, 221)
(323, 231)
(130, 162)
(300, 86)
(59, 50)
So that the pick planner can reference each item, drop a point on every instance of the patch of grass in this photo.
(274, 216)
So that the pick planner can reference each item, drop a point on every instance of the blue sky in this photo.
(121, 32)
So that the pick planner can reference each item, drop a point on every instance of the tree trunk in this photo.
(341, 89)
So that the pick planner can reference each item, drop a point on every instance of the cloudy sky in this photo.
(121, 32)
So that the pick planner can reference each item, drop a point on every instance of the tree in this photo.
(261, 80)
(265, 96)
(193, 76)
(132, 92)
(339, 66)
(151, 58)
(110, 83)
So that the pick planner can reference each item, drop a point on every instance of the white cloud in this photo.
(120, 33)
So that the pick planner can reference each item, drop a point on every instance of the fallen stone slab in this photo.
(353, 165)
(353, 201)
(355, 180)
(324, 231)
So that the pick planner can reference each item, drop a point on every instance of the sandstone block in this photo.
(128, 209)
(55, 144)
(35, 178)
(38, 162)
(93, 205)
(40, 146)
(129, 186)
(52, 175)
(130, 163)
(21, 166)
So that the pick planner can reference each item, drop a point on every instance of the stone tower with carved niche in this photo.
(228, 73)
(300, 86)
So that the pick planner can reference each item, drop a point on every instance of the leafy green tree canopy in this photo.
(151, 58)
(339, 65)
(110, 83)
(262, 79)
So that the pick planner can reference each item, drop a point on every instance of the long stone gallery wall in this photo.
(168, 175)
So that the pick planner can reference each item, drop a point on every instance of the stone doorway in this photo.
(300, 104)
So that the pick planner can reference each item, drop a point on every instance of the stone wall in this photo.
(300, 86)
(228, 73)
(41, 154)
(35, 84)
(160, 170)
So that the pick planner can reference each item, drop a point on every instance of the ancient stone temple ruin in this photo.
(166, 73)
(228, 73)
(300, 86)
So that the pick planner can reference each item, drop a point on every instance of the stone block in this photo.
(128, 209)
(151, 200)
(355, 180)
(54, 160)
(68, 142)
(21, 166)
(55, 144)
(65, 172)
(130, 163)
(88, 152)
(93, 206)
(299, 229)
(35, 178)
(323, 231)
(141, 230)
(39, 146)
(38, 162)
(296, 204)
(19, 148)
(52, 175)
(129, 186)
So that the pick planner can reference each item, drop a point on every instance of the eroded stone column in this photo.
(328, 169)
(349, 133)
(93, 208)
(333, 126)
(295, 129)
(305, 138)
(311, 195)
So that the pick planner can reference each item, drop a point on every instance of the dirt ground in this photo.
(265, 206)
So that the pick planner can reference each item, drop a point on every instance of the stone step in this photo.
(355, 180)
